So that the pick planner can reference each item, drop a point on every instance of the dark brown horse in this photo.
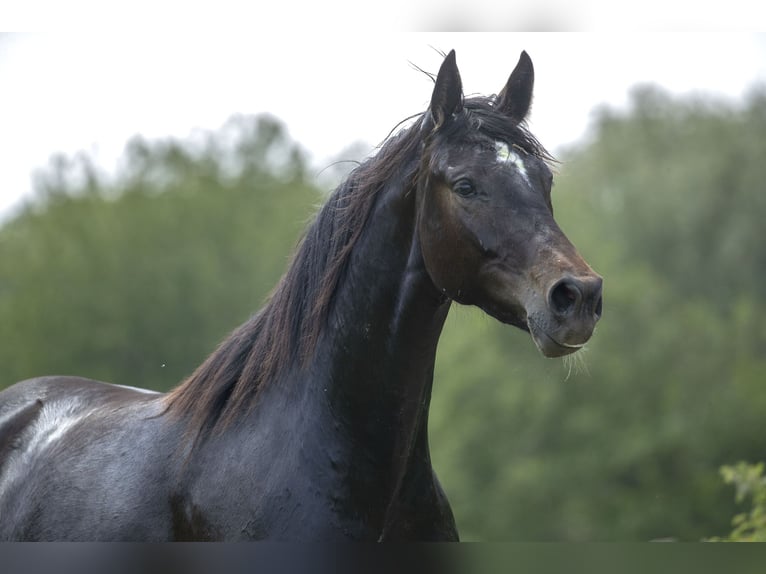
(310, 421)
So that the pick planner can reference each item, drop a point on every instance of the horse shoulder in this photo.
(53, 426)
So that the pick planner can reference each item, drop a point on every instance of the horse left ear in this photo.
(447, 97)
(515, 99)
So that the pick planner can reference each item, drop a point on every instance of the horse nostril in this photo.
(565, 297)
(593, 296)
(597, 311)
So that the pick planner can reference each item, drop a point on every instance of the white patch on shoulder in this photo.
(506, 155)
(53, 422)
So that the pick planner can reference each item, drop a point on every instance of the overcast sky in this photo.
(92, 93)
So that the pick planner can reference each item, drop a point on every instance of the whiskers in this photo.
(576, 363)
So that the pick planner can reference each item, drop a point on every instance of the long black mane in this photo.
(288, 326)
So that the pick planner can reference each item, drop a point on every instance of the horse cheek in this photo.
(445, 252)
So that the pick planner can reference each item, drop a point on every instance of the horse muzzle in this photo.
(573, 306)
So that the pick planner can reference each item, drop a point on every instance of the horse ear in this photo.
(515, 99)
(447, 98)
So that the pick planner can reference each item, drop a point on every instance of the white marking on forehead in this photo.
(506, 155)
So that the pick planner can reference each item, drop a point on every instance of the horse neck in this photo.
(376, 355)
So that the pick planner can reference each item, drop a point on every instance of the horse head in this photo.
(485, 217)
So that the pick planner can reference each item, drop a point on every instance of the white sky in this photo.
(84, 91)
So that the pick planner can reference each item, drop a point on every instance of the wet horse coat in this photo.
(309, 422)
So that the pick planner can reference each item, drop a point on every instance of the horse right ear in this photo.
(447, 97)
(515, 99)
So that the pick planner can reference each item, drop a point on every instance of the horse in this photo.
(309, 422)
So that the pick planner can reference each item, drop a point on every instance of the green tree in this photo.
(750, 483)
(135, 280)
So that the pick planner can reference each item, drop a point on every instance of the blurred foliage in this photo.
(750, 484)
(135, 279)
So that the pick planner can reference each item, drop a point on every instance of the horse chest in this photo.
(300, 488)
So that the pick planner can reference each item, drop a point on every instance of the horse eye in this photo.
(464, 188)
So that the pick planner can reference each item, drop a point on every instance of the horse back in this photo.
(20, 407)
(54, 402)
(68, 447)
(14, 423)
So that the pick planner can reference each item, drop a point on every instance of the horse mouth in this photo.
(548, 345)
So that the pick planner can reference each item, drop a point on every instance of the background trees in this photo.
(135, 278)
